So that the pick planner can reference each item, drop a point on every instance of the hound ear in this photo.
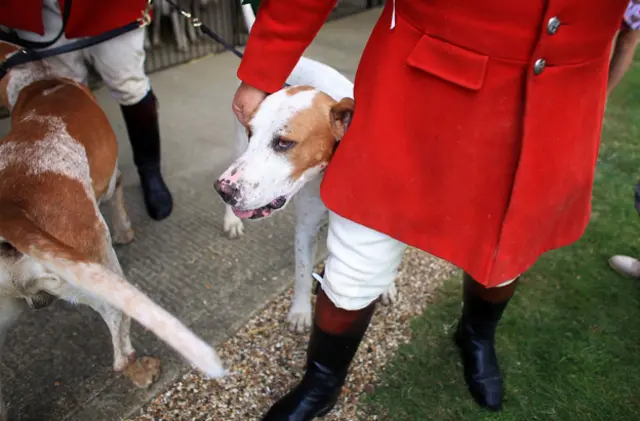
(341, 115)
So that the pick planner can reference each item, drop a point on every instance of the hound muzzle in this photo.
(231, 194)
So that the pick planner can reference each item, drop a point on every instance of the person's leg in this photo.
(626, 265)
(120, 63)
(70, 65)
(482, 310)
(362, 264)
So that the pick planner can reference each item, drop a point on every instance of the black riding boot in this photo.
(474, 336)
(143, 128)
(334, 341)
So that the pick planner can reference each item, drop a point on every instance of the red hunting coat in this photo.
(477, 122)
(87, 18)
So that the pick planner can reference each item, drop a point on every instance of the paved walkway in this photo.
(57, 361)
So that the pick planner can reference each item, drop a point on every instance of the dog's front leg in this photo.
(233, 226)
(141, 371)
(10, 310)
(391, 296)
(310, 213)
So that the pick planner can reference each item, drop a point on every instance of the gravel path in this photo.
(265, 359)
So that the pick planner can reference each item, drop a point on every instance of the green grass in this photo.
(569, 343)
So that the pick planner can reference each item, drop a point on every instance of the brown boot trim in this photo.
(337, 321)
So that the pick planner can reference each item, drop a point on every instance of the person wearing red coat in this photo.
(120, 63)
(474, 138)
(622, 57)
(625, 45)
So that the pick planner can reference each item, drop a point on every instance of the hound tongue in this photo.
(243, 214)
(261, 212)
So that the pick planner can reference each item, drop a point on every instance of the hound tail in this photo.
(18, 229)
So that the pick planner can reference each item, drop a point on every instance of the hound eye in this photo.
(281, 145)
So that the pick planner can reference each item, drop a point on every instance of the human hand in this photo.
(246, 101)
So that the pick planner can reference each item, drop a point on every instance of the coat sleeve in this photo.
(282, 31)
(22, 14)
(87, 18)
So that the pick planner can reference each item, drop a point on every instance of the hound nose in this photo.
(228, 191)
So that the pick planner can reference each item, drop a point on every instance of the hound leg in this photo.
(122, 231)
(233, 226)
(310, 212)
(390, 297)
(141, 371)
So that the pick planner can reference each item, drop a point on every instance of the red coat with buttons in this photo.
(87, 17)
(477, 122)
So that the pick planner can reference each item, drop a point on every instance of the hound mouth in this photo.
(263, 211)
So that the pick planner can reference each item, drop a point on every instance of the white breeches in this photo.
(362, 263)
(119, 61)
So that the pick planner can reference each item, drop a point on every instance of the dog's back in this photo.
(58, 158)
(325, 78)
(67, 112)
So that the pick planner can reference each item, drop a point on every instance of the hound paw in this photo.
(143, 372)
(233, 226)
(123, 237)
(299, 321)
(390, 297)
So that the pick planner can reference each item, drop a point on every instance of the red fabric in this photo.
(456, 147)
(283, 29)
(87, 18)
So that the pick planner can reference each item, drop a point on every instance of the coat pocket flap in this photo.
(449, 62)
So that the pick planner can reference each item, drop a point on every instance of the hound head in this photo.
(292, 137)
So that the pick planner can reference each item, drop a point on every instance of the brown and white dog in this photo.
(283, 153)
(57, 164)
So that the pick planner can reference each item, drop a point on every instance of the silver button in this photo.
(538, 66)
(553, 25)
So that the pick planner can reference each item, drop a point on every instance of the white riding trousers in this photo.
(362, 263)
(119, 61)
